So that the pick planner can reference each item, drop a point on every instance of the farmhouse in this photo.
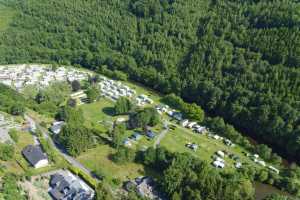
(35, 156)
(64, 185)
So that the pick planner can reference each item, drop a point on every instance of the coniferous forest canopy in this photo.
(237, 59)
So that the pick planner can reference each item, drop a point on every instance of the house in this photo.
(57, 126)
(35, 156)
(184, 123)
(64, 186)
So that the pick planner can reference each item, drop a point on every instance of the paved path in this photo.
(61, 149)
(161, 135)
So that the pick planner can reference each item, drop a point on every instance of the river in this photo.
(263, 190)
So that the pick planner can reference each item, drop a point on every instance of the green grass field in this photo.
(99, 114)
(14, 166)
(176, 140)
(99, 159)
(6, 16)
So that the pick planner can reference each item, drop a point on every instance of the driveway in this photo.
(161, 135)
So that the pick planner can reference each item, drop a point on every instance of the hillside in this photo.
(237, 59)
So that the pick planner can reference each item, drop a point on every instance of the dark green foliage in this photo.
(40, 97)
(117, 134)
(186, 177)
(76, 138)
(10, 189)
(145, 117)
(7, 152)
(123, 106)
(190, 111)
(70, 115)
(50, 98)
(92, 94)
(11, 101)
(236, 59)
(103, 192)
(264, 151)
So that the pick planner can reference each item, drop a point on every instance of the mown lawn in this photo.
(6, 16)
(99, 159)
(99, 114)
(175, 141)
(14, 166)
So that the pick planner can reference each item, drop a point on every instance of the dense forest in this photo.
(237, 59)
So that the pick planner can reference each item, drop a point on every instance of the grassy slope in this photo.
(98, 158)
(13, 166)
(174, 141)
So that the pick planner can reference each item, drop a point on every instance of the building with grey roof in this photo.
(66, 186)
(35, 156)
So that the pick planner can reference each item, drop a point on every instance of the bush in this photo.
(7, 152)
(87, 178)
(75, 85)
(190, 111)
(123, 106)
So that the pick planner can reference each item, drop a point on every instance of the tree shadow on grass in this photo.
(109, 111)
